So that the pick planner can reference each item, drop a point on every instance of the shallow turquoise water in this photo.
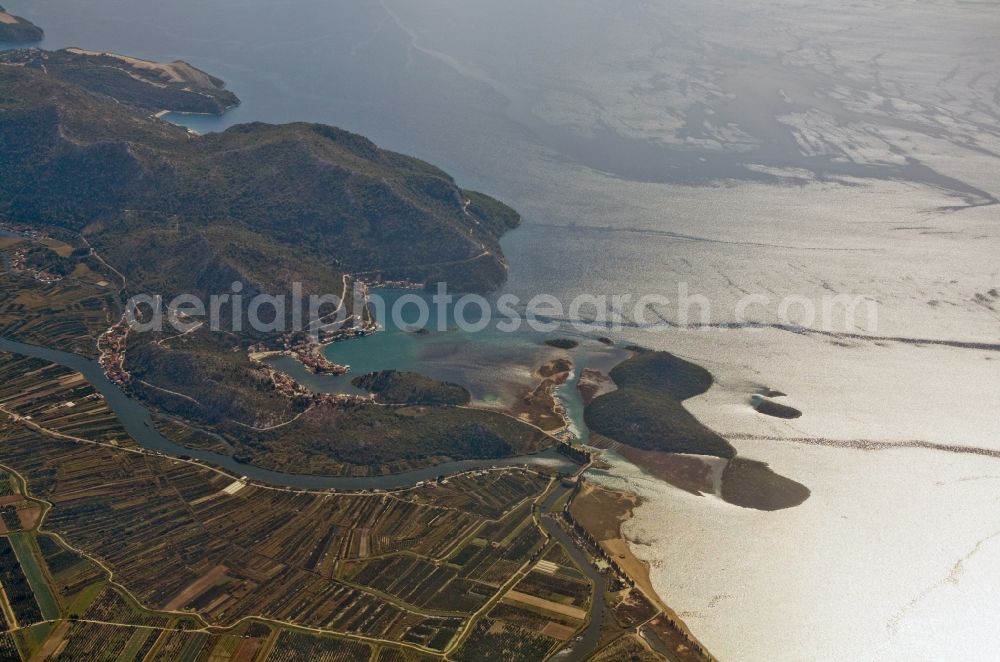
(495, 366)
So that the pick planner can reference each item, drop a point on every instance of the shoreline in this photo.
(537, 405)
(602, 513)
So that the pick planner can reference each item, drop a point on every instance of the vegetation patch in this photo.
(366, 438)
(753, 484)
(391, 386)
(555, 588)
(646, 410)
(502, 641)
(16, 587)
(299, 646)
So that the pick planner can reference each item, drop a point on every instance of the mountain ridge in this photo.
(77, 160)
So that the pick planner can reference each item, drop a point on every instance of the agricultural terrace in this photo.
(54, 294)
(150, 557)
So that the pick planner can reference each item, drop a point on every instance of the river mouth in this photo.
(498, 368)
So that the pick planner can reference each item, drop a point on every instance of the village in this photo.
(111, 352)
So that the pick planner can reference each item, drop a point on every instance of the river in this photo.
(136, 420)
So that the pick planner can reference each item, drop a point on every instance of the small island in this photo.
(768, 407)
(646, 410)
(646, 418)
(17, 30)
(562, 343)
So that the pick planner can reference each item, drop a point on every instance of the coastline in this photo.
(619, 504)
(601, 512)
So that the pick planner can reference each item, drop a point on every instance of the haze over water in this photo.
(775, 148)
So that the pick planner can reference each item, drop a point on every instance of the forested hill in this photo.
(87, 163)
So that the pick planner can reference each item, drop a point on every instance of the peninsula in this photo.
(17, 30)
(149, 86)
